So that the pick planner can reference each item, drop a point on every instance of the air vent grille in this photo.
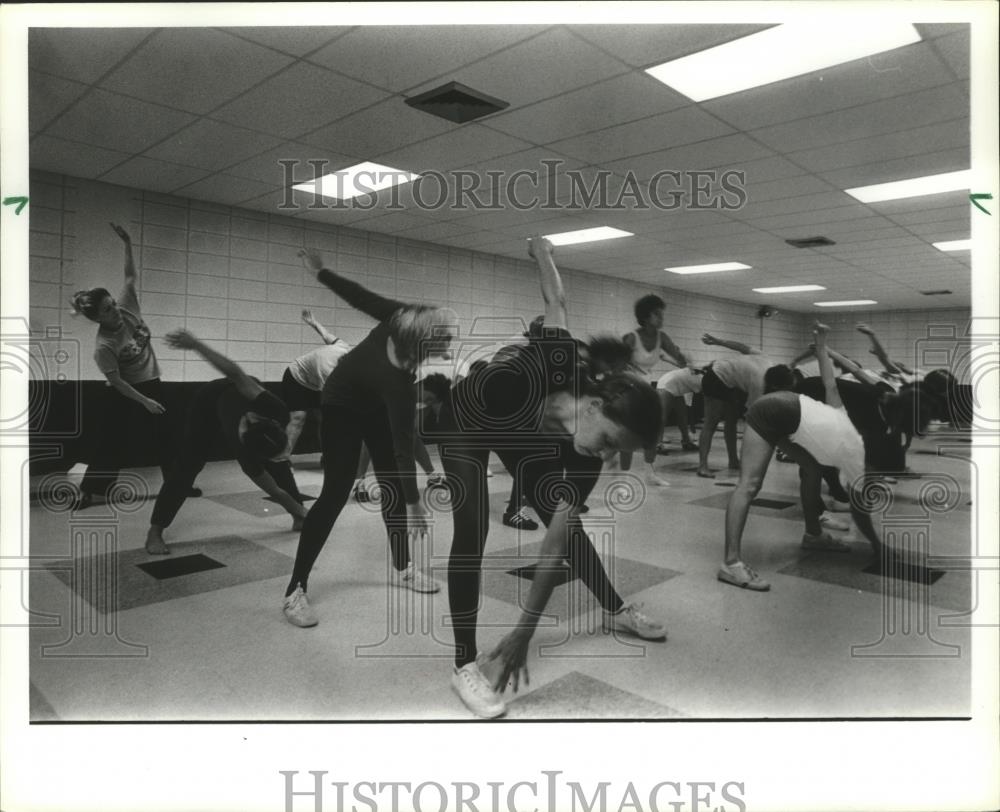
(810, 242)
(935, 292)
(456, 102)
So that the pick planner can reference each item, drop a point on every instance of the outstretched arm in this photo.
(512, 650)
(131, 276)
(826, 367)
(357, 296)
(848, 365)
(326, 335)
(671, 352)
(540, 249)
(878, 350)
(245, 385)
(739, 347)
(802, 356)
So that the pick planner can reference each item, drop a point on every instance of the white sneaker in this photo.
(824, 542)
(840, 507)
(739, 574)
(476, 692)
(830, 523)
(631, 621)
(297, 609)
(417, 580)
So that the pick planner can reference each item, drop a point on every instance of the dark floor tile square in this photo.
(858, 570)
(529, 572)
(115, 580)
(773, 504)
(906, 572)
(176, 566)
(578, 696)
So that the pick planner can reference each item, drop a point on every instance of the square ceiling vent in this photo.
(457, 103)
(810, 242)
(935, 292)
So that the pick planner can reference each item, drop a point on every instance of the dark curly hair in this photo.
(647, 305)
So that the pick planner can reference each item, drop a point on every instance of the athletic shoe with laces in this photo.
(476, 692)
(297, 609)
(519, 520)
(630, 620)
(417, 580)
(824, 541)
(830, 523)
(739, 574)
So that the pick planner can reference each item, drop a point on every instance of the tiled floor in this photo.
(828, 640)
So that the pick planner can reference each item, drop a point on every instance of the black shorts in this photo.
(713, 387)
(297, 397)
(775, 416)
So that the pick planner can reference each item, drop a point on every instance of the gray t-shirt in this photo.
(127, 350)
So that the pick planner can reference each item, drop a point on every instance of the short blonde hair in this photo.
(418, 330)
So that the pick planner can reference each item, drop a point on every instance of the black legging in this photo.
(118, 415)
(342, 432)
(198, 437)
(544, 480)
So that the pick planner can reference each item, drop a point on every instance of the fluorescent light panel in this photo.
(913, 187)
(953, 245)
(779, 53)
(789, 289)
(848, 303)
(713, 268)
(587, 235)
(360, 179)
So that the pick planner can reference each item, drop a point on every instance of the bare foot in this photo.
(705, 473)
(155, 544)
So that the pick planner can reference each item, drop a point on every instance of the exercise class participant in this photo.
(125, 356)
(727, 385)
(369, 397)
(252, 423)
(541, 413)
(675, 388)
(649, 345)
(812, 434)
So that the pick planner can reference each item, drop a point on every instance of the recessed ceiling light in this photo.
(953, 245)
(712, 268)
(360, 179)
(789, 289)
(587, 235)
(847, 303)
(778, 53)
(913, 187)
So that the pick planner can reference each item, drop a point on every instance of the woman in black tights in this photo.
(369, 397)
(545, 415)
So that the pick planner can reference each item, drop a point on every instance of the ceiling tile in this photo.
(382, 128)
(615, 101)
(158, 176)
(460, 147)
(48, 96)
(212, 145)
(882, 76)
(936, 215)
(954, 48)
(908, 111)
(400, 57)
(298, 100)
(651, 134)
(71, 158)
(81, 54)
(785, 188)
(646, 45)
(294, 40)
(431, 232)
(107, 118)
(946, 135)
(265, 167)
(222, 188)
(552, 63)
(912, 166)
(194, 69)
(730, 150)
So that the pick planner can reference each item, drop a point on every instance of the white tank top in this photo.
(829, 435)
(643, 358)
